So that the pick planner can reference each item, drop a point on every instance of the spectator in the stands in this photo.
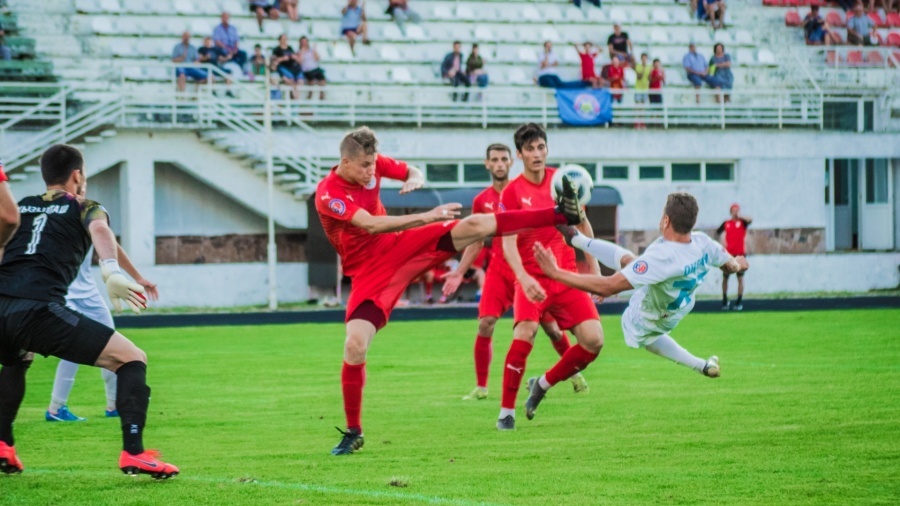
(715, 10)
(212, 55)
(859, 26)
(257, 62)
(548, 68)
(657, 80)
(588, 56)
(309, 64)
(290, 8)
(184, 52)
(263, 9)
(720, 66)
(475, 68)
(620, 45)
(287, 66)
(401, 13)
(815, 29)
(452, 70)
(697, 69)
(616, 77)
(642, 81)
(353, 23)
(227, 40)
(5, 52)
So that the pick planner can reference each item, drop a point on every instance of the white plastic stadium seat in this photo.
(597, 15)
(550, 33)
(570, 55)
(743, 37)
(466, 12)
(200, 27)
(389, 52)
(442, 12)
(342, 52)
(744, 56)
(89, 6)
(552, 13)
(392, 32)
(110, 6)
(415, 32)
(233, 6)
(630, 77)
(659, 36)
(103, 25)
(766, 57)
(401, 75)
(323, 30)
(680, 16)
(527, 54)
(617, 15)
(484, 33)
(505, 33)
(722, 36)
(676, 78)
(187, 7)
(660, 16)
(518, 76)
(529, 13)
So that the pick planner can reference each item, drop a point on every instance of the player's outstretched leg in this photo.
(12, 391)
(132, 399)
(62, 386)
(665, 346)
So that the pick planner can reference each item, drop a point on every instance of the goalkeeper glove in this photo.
(120, 289)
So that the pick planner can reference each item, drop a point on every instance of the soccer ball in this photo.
(581, 179)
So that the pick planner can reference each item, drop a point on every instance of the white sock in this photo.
(504, 412)
(110, 382)
(607, 253)
(62, 384)
(665, 346)
(542, 381)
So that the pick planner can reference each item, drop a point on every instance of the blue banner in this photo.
(585, 106)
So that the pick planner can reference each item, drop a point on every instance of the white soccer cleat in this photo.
(711, 368)
(480, 393)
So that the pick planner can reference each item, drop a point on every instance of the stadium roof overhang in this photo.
(432, 197)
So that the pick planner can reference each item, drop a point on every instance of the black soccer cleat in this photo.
(567, 203)
(352, 441)
(568, 232)
(535, 396)
(508, 422)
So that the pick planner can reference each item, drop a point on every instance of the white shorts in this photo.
(636, 334)
(94, 307)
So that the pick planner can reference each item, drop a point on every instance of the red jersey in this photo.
(488, 202)
(587, 66)
(735, 235)
(657, 78)
(523, 194)
(338, 200)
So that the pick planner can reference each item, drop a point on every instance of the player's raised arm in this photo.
(604, 286)
(382, 224)
(414, 180)
(9, 211)
(120, 289)
(453, 279)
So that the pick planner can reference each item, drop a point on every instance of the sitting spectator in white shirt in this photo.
(353, 23)
(263, 8)
(308, 57)
(401, 13)
(184, 52)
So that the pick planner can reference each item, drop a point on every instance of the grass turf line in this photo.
(806, 413)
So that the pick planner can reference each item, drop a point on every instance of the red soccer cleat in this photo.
(9, 461)
(146, 463)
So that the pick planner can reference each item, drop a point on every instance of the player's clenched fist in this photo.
(120, 289)
(445, 212)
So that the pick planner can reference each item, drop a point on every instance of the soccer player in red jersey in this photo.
(381, 254)
(500, 282)
(536, 293)
(735, 230)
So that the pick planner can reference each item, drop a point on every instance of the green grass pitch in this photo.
(807, 412)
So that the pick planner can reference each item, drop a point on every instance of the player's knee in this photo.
(486, 326)
(355, 348)
(592, 339)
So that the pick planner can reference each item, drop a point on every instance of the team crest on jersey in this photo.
(337, 206)
(640, 267)
(371, 184)
(502, 207)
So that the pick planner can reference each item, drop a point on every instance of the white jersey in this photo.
(666, 277)
(84, 287)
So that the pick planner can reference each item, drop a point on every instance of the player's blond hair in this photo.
(360, 142)
(682, 210)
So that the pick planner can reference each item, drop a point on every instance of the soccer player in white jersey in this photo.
(84, 297)
(665, 276)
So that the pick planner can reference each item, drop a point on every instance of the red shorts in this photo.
(389, 272)
(499, 292)
(569, 306)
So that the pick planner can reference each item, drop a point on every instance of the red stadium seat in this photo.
(875, 58)
(835, 19)
(893, 20)
(831, 57)
(893, 39)
(818, 3)
(880, 23)
(792, 18)
(854, 58)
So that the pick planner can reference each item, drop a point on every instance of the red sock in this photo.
(484, 352)
(575, 360)
(353, 379)
(513, 222)
(563, 345)
(513, 370)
